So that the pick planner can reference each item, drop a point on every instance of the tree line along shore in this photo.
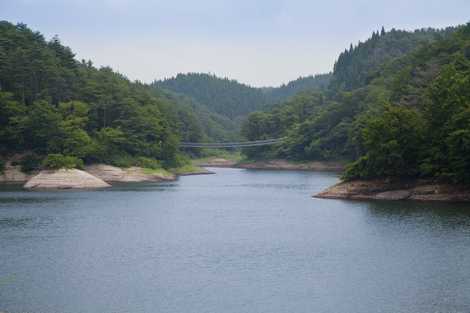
(394, 109)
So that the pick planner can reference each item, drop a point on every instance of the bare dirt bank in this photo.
(418, 190)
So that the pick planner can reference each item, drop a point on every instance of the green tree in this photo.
(393, 141)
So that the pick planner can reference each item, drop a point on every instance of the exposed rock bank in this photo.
(112, 174)
(287, 165)
(65, 179)
(13, 174)
(420, 190)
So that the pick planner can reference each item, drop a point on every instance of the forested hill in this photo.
(398, 115)
(314, 82)
(210, 126)
(57, 108)
(232, 99)
(356, 66)
(221, 95)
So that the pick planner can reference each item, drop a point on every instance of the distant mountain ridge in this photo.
(232, 99)
(285, 91)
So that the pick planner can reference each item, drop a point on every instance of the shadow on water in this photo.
(445, 214)
(24, 222)
(25, 200)
(15, 222)
(142, 187)
(11, 187)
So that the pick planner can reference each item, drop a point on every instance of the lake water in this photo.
(238, 241)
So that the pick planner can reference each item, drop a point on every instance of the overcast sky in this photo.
(258, 42)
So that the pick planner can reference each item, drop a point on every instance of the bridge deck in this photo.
(242, 144)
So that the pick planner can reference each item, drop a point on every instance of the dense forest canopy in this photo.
(212, 127)
(52, 104)
(276, 95)
(397, 106)
(223, 96)
(232, 99)
(357, 66)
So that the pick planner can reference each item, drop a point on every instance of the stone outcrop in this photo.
(65, 179)
(13, 174)
(419, 190)
(112, 174)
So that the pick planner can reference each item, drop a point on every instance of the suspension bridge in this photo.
(241, 144)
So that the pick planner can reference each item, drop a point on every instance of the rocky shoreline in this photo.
(277, 164)
(113, 174)
(293, 166)
(93, 176)
(13, 175)
(103, 176)
(65, 179)
(417, 190)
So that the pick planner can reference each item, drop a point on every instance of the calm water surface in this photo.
(239, 241)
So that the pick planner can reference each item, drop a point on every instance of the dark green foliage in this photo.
(446, 110)
(357, 66)
(393, 141)
(30, 162)
(57, 161)
(233, 101)
(53, 104)
(11, 120)
(398, 106)
(2, 166)
(311, 83)
(148, 163)
(223, 96)
(458, 143)
(196, 122)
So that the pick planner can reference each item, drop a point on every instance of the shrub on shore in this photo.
(57, 161)
(30, 162)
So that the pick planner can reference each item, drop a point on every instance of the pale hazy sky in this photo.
(264, 42)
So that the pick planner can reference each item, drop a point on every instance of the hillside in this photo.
(357, 66)
(406, 117)
(220, 95)
(196, 122)
(231, 99)
(66, 111)
(282, 93)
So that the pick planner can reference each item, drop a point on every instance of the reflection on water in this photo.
(431, 214)
(238, 241)
(20, 199)
(15, 222)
